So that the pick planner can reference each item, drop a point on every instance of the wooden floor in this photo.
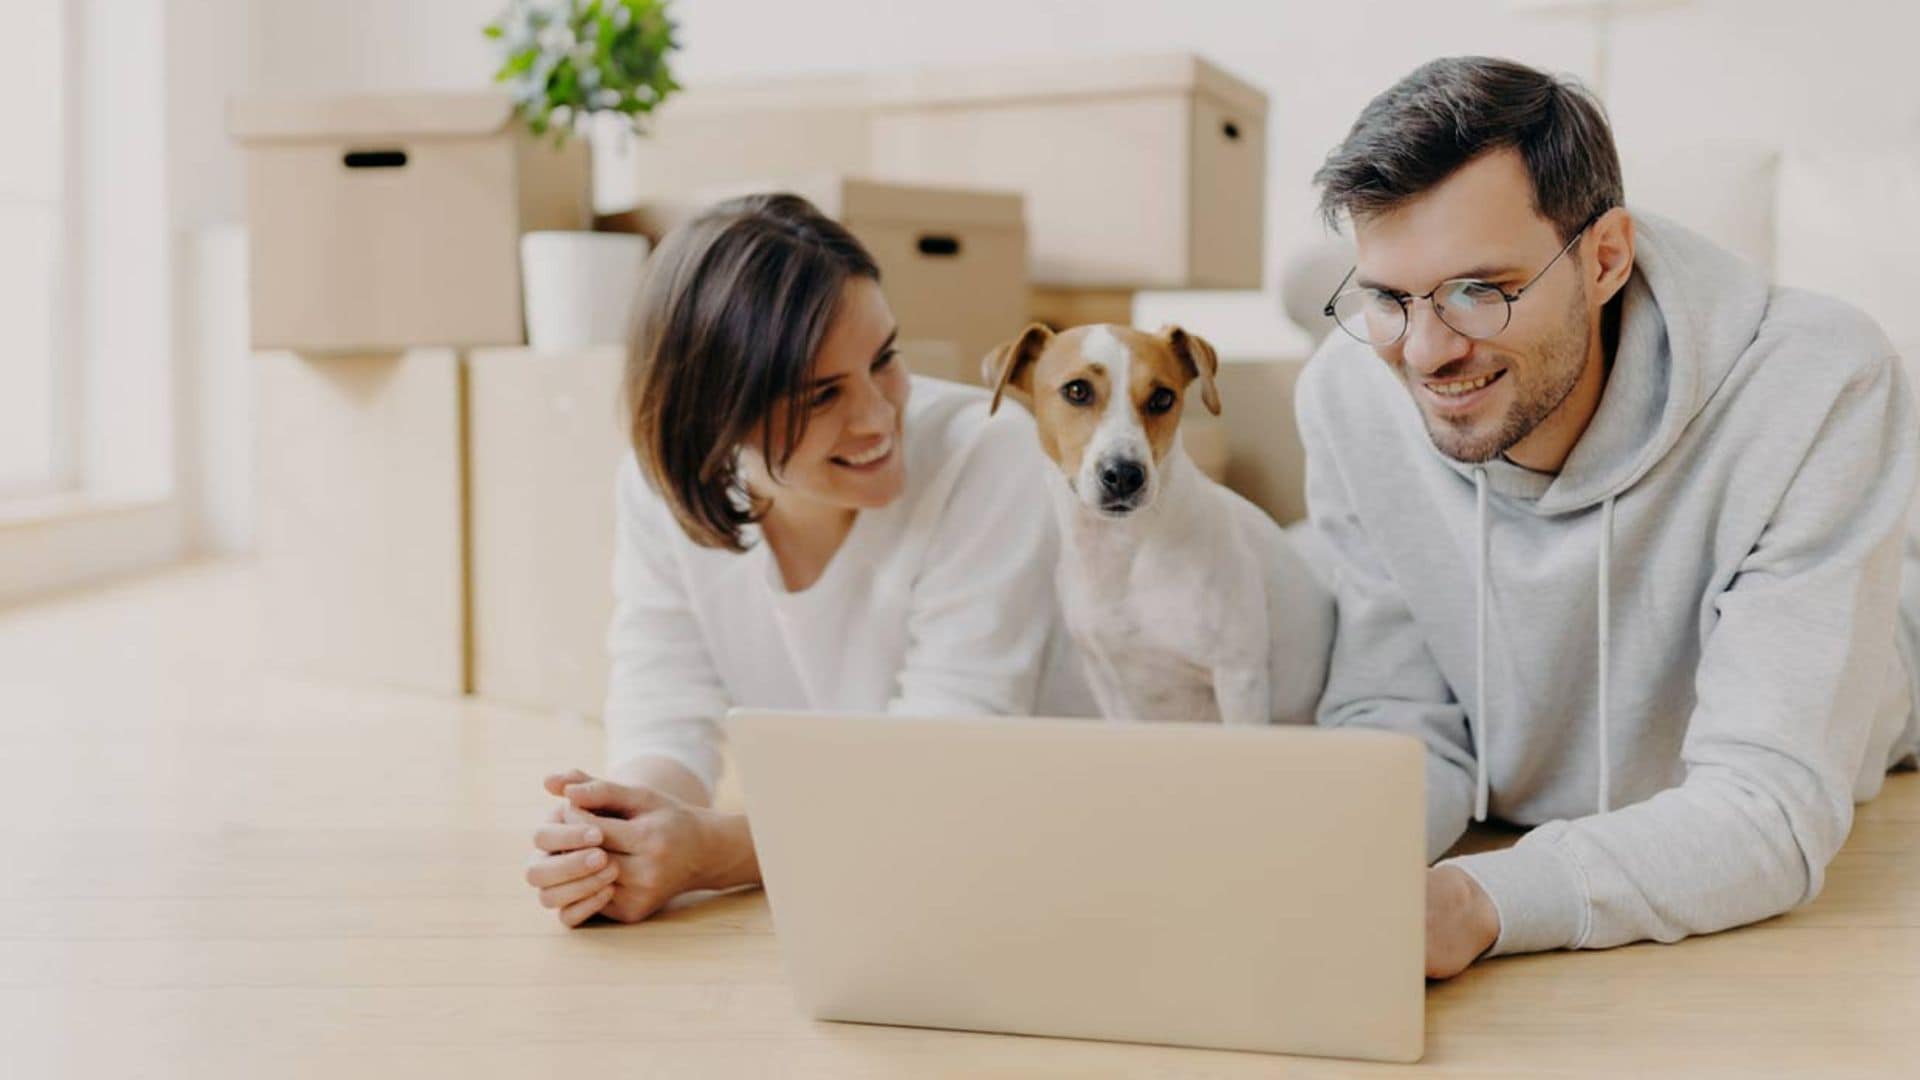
(210, 871)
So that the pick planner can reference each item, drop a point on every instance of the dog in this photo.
(1186, 601)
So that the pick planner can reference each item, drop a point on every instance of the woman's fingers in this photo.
(617, 835)
(556, 783)
(574, 876)
(549, 870)
(562, 838)
(580, 911)
(572, 892)
(611, 799)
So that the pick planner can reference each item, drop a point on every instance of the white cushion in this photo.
(1722, 189)
(1849, 226)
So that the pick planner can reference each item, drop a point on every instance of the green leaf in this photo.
(631, 61)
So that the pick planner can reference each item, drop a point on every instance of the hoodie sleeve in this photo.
(983, 606)
(1381, 674)
(664, 697)
(1785, 701)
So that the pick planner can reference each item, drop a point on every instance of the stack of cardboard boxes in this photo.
(383, 240)
(1139, 172)
(436, 499)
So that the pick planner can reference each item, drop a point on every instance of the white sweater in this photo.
(939, 604)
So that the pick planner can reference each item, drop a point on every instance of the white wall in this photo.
(208, 60)
(119, 321)
(126, 322)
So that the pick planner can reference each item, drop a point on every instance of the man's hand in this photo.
(1462, 922)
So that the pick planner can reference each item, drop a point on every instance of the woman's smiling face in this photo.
(851, 454)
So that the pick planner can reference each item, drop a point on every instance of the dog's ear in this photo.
(1199, 360)
(1011, 364)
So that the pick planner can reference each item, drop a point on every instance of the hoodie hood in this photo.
(1688, 312)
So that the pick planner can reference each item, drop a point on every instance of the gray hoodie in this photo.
(1678, 656)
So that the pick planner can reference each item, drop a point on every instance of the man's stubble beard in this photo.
(1554, 370)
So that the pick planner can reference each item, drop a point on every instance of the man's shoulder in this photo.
(1810, 332)
(1811, 355)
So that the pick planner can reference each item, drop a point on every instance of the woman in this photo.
(801, 526)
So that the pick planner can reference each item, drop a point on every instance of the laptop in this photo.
(1192, 885)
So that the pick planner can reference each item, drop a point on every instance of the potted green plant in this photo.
(565, 62)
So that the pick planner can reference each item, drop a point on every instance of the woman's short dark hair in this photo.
(1449, 112)
(729, 322)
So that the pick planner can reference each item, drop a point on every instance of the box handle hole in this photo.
(942, 246)
(1231, 130)
(375, 159)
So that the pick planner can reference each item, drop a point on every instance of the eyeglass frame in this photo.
(1406, 300)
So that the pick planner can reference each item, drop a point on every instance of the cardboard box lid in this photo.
(1087, 77)
(852, 199)
(849, 92)
(369, 116)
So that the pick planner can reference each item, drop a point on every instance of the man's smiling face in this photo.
(1481, 399)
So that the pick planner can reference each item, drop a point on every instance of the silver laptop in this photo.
(1237, 888)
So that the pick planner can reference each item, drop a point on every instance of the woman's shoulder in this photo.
(644, 514)
(953, 440)
(948, 421)
(643, 511)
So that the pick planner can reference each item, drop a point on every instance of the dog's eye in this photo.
(1160, 401)
(1077, 392)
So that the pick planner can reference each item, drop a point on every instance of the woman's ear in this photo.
(1199, 360)
(1011, 364)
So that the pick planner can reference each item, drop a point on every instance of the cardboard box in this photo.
(359, 473)
(1264, 458)
(1139, 172)
(378, 223)
(722, 133)
(546, 436)
(941, 360)
(1205, 438)
(953, 263)
(1063, 309)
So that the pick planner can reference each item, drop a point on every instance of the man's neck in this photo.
(1547, 447)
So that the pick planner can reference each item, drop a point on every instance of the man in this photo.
(1616, 528)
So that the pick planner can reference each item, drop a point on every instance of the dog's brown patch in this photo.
(1042, 365)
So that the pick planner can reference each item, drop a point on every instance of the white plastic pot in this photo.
(580, 287)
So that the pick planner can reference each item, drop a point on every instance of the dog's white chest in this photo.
(1145, 642)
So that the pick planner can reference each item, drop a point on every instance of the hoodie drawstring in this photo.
(1480, 717)
(1480, 650)
(1606, 591)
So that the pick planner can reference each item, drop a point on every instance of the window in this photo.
(33, 230)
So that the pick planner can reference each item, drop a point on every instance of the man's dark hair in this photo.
(1449, 112)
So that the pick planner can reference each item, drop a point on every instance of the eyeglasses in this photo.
(1468, 306)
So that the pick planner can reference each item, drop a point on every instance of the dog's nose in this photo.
(1122, 479)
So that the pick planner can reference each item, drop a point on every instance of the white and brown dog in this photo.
(1186, 601)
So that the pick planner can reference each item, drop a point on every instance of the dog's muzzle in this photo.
(1122, 483)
